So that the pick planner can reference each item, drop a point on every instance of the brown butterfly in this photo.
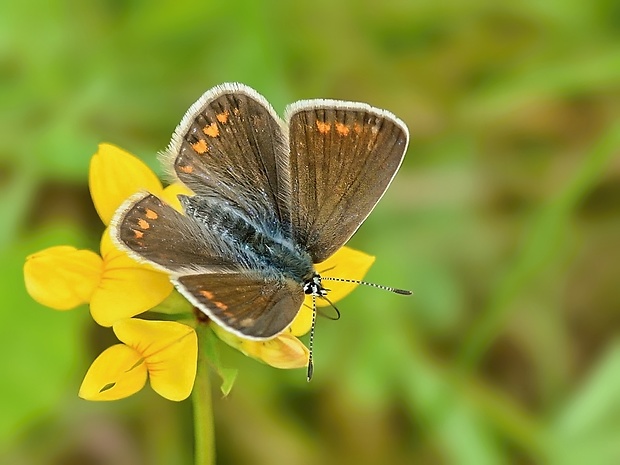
(272, 197)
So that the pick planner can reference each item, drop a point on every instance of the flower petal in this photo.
(62, 277)
(229, 338)
(170, 195)
(118, 372)
(284, 351)
(170, 350)
(114, 176)
(302, 322)
(346, 263)
(127, 288)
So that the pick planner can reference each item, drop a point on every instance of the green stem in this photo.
(203, 410)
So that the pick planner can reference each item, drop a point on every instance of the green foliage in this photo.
(42, 349)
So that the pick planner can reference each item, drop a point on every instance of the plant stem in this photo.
(204, 451)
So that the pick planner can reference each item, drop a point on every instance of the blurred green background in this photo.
(504, 221)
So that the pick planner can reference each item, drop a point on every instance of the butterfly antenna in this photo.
(311, 344)
(333, 306)
(377, 286)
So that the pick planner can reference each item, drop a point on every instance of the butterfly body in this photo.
(255, 245)
(272, 197)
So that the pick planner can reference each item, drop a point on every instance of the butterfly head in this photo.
(313, 286)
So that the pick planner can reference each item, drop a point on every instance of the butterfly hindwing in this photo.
(154, 232)
(249, 305)
(343, 156)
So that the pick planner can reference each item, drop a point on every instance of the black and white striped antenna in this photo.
(341, 280)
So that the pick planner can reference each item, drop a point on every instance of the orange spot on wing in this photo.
(342, 129)
(200, 147)
(357, 128)
(211, 130)
(323, 127)
(186, 169)
(222, 117)
(138, 234)
(151, 215)
(143, 224)
(220, 305)
(207, 294)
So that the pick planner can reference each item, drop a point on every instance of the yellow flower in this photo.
(165, 350)
(283, 351)
(345, 263)
(115, 285)
(118, 288)
(62, 277)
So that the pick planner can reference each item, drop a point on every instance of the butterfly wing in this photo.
(343, 156)
(314, 188)
(247, 304)
(209, 271)
(231, 145)
(152, 231)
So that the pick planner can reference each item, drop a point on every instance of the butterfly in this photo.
(272, 197)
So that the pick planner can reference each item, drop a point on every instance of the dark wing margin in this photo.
(231, 144)
(343, 157)
(249, 306)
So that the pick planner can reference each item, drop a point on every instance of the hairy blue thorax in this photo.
(258, 244)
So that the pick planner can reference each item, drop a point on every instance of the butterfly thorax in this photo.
(254, 244)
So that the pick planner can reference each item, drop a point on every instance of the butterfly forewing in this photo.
(343, 157)
(248, 305)
(231, 145)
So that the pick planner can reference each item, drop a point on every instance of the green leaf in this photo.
(210, 345)
(587, 430)
(228, 375)
(16, 195)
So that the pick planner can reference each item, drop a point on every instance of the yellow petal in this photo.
(170, 195)
(283, 351)
(302, 322)
(114, 176)
(229, 338)
(62, 277)
(118, 372)
(127, 288)
(346, 263)
(170, 350)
